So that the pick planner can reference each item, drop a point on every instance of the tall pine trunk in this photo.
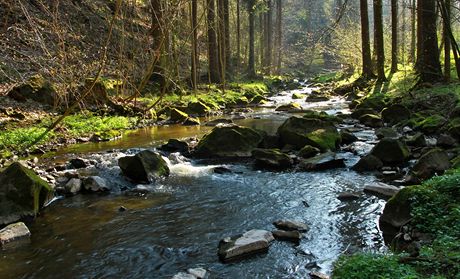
(213, 55)
(279, 34)
(365, 40)
(238, 34)
(195, 55)
(428, 66)
(447, 41)
(158, 42)
(394, 36)
(379, 43)
(251, 56)
(413, 34)
(268, 37)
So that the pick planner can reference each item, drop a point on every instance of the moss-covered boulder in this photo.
(258, 99)
(433, 162)
(431, 124)
(321, 115)
(198, 108)
(368, 163)
(22, 193)
(230, 141)
(371, 120)
(299, 132)
(397, 211)
(454, 128)
(348, 137)
(272, 159)
(191, 121)
(290, 107)
(308, 151)
(386, 132)
(37, 88)
(144, 167)
(417, 140)
(391, 151)
(297, 96)
(177, 116)
(395, 114)
(357, 113)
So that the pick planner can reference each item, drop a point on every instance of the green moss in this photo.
(20, 138)
(369, 266)
(430, 124)
(324, 139)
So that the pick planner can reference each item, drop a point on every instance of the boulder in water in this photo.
(22, 193)
(397, 212)
(381, 190)
(395, 114)
(371, 120)
(13, 232)
(290, 107)
(417, 140)
(322, 162)
(348, 137)
(175, 145)
(95, 184)
(386, 132)
(291, 225)
(272, 158)
(368, 163)
(178, 116)
(391, 151)
(198, 108)
(144, 167)
(293, 236)
(231, 141)
(309, 151)
(247, 244)
(299, 132)
(72, 187)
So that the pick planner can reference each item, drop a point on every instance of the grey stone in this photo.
(293, 236)
(381, 190)
(291, 225)
(73, 186)
(13, 232)
(240, 246)
(95, 184)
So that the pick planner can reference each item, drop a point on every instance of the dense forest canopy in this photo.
(183, 43)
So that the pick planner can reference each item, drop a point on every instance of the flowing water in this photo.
(177, 223)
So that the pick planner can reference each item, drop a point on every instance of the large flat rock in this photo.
(381, 190)
(14, 232)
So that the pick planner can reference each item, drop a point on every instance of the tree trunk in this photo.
(268, 37)
(394, 36)
(221, 39)
(447, 42)
(366, 48)
(251, 56)
(195, 55)
(279, 34)
(413, 36)
(158, 42)
(228, 53)
(429, 66)
(213, 59)
(379, 43)
(238, 34)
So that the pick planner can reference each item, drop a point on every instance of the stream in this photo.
(178, 222)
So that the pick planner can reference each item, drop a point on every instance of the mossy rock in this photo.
(431, 124)
(391, 151)
(397, 211)
(258, 99)
(368, 163)
(106, 135)
(289, 107)
(22, 193)
(297, 96)
(299, 132)
(454, 128)
(198, 108)
(231, 141)
(309, 151)
(357, 113)
(191, 121)
(435, 161)
(371, 120)
(271, 158)
(37, 88)
(322, 115)
(242, 101)
(386, 132)
(178, 116)
(395, 114)
(144, 167)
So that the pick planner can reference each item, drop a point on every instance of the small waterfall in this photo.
(182, 167)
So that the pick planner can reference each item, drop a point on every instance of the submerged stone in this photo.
(247, 244)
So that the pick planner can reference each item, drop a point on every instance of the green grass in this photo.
(84, 124)
(20, 138)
